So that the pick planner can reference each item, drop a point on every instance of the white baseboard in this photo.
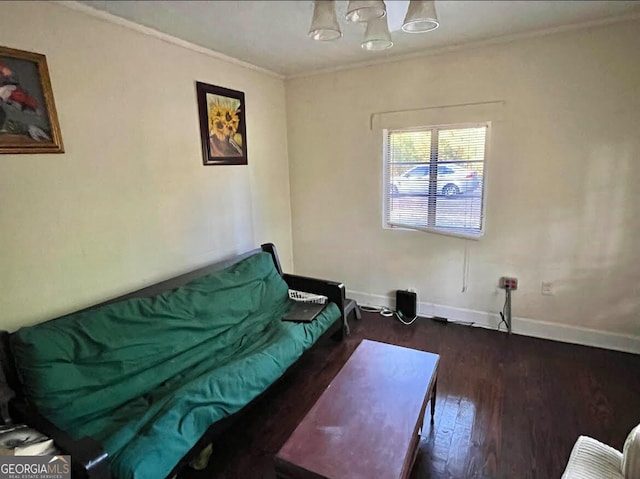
(523, 326)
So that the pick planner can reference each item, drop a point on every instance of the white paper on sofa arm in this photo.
(591, 459)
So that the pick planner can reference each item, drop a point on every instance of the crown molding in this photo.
(108, 17)
(470, 45)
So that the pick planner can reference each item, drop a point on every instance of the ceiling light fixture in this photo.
(421, 17)
(377, 36)
(324, 25)
(365, 11)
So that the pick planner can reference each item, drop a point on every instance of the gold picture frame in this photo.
(28, 117)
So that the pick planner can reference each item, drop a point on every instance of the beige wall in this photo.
(563, 187)
(129, 202)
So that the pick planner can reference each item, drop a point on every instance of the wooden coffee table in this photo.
(367, 423)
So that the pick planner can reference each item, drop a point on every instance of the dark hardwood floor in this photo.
(507, 406)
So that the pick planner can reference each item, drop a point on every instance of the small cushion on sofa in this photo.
(591, 459)
(631, 455)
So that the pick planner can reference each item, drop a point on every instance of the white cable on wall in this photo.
(465, 267)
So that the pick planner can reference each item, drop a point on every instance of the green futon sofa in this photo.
(143, 379)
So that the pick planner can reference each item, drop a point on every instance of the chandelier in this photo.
(421, 17)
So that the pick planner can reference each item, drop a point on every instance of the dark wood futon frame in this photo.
(89, 460)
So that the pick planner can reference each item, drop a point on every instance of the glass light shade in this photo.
(324, 25)
(421, 17)
(377, 36)
(361, 11)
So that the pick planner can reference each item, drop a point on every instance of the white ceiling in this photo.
(273, 34)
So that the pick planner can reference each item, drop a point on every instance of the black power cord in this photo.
(505, 314)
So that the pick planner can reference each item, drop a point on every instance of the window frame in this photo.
(433, 198)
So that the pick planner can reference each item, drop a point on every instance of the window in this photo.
(451, 201)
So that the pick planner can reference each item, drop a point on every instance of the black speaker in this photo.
(406, 303)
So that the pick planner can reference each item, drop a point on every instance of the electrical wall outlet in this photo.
(509, 282)
(547, 288)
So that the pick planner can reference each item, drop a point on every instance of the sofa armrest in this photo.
(591, 459)
(332, 290)
(88, 458)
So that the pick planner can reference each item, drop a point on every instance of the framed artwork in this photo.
(28, 118)
(223, 130)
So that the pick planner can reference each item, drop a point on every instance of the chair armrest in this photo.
(88, 458)
(331, 289)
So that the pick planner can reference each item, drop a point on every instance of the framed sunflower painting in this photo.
(222, 125)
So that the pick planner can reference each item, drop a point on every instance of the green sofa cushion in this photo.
(146, 377)
(152, 444)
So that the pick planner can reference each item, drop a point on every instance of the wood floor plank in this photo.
(507, 406)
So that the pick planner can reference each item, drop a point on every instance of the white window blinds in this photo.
(434, 179)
